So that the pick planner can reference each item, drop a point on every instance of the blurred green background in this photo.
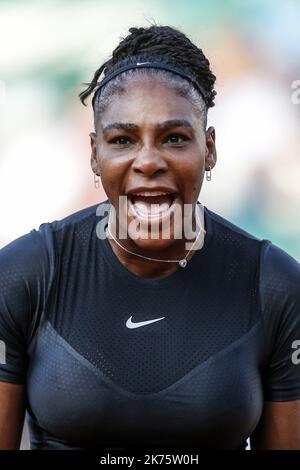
(49, 48)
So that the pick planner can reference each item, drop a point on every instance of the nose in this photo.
(149, 161)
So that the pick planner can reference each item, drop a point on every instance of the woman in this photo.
(118, 339)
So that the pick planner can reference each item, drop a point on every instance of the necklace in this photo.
(182, 262)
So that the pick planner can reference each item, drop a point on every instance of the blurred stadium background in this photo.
(49, 48)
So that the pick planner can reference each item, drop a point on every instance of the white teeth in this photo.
(144, 209)
(151, 193)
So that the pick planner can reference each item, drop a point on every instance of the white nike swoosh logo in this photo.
(130, 324)
(142, 63)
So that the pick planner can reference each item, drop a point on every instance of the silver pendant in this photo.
(183, 263)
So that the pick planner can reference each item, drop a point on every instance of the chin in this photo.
(153, 235)
(152, 244)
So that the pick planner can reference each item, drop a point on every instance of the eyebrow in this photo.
(128, 126)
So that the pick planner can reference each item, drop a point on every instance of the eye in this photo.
(121, 140)
(176, 138)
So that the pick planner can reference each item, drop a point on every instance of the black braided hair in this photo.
(156, 42)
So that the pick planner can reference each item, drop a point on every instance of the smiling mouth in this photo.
(152, 205)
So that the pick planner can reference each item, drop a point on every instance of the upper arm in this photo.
(12, 409)
(280, 300)
(25, 273)
(279, 427)
(24, 279)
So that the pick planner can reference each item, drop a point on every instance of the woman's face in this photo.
(150, 146)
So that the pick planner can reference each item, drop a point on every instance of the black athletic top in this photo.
(198, 376)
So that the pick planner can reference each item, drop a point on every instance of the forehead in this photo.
(148, 101)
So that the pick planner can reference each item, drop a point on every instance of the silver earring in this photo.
(208, 174)
(96, 181)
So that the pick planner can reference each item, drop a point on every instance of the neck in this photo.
(155, 269)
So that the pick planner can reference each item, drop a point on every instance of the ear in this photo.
(211, 152)
(94, 160)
